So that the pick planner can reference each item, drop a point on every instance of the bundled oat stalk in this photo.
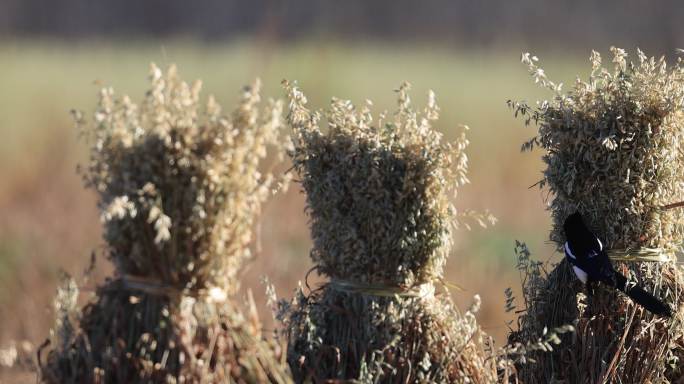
(379, 198)
(179, 188)
(613, 151)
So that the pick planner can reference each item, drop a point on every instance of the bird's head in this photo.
(578, 234)
(574, 221)
(574, 227)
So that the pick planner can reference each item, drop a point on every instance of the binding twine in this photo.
(156, 287)
(426, 290)
(653, 255)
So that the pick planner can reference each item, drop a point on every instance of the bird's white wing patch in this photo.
(580, 274)
(568, 251)
(600, 244)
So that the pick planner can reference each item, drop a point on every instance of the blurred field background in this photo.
(55, 58)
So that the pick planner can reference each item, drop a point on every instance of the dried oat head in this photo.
(613, 149)
(180, 183)
(378, 190)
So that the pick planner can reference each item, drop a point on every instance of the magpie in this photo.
(590, 262)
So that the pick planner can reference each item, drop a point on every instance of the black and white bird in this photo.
(590, 262)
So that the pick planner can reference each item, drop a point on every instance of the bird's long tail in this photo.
(641, 297)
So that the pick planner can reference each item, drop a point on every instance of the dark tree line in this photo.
(578, 23)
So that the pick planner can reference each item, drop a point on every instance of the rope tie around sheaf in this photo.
(647, 255)
(156, 287)
(425, 290)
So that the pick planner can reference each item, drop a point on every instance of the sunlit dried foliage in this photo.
(613, 151)
(180, 186)
(379, 199)
(379, 192)
(180, 183)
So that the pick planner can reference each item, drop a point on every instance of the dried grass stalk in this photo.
(613, 151)
(179, 189)
(379, 198)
